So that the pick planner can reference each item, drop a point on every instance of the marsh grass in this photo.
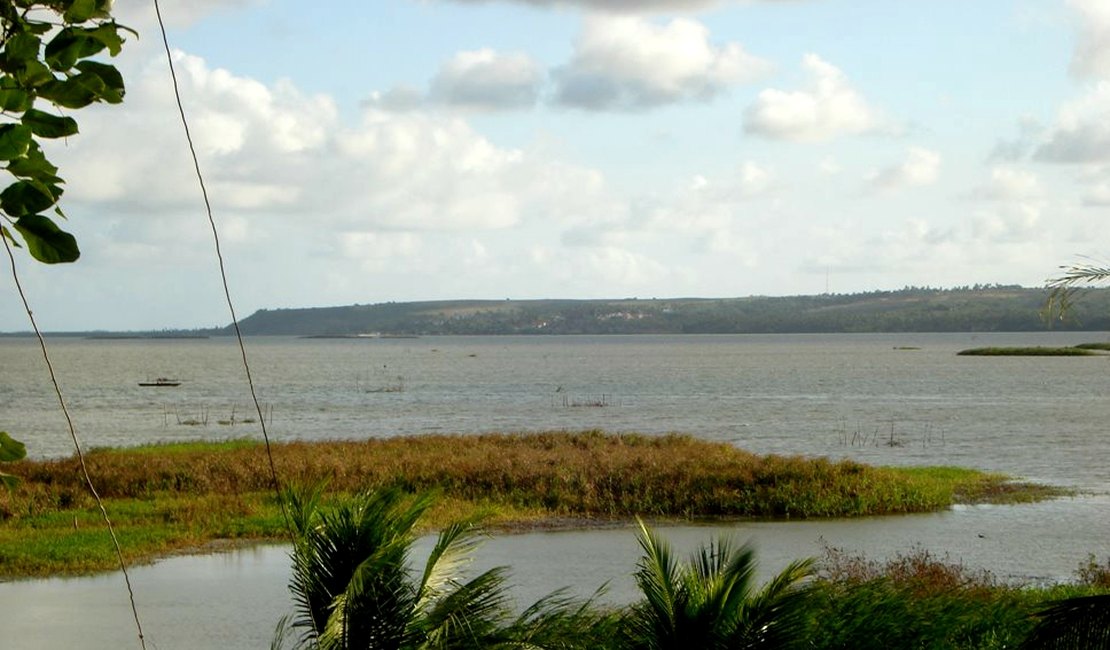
(919, 600)
(1077, 351)
(181, 495)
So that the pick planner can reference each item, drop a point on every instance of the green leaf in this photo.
(36, 27)
(108, 35)
(7, 235)
(8, 481)
(71, 45)
(34, 74)
(68, 93)
(11, 449)
(109, 76)
(34, 165)
(46, 241)
(80, 11)
(22, 47)
(15, 139)
(28, 197)
(45, 125)
(15, 100)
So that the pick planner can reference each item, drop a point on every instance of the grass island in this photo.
(169, 498)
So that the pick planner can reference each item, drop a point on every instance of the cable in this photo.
(76, 444)
(220, 258)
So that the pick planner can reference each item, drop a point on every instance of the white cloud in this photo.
(620, 6)
(485, 79)
(378, 251)
(1030, 132)
(827, 107)
(1092, 51)
(399, 98)
(1010, 184)
(175, 14)
(921, 167)
(283, 170)
(628, 63)
(1014, 222)
(1081, 133)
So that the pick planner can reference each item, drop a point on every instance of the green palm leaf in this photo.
(708, 603)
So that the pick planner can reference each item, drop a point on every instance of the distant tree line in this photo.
(974, 308)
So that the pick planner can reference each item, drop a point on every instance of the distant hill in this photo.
(966, 309)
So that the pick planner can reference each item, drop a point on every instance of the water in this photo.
(819, 395)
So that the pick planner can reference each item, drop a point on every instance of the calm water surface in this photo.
(838, 396)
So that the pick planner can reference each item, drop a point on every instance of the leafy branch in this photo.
(46, 50)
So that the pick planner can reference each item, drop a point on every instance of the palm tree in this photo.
(353, 587)
(711, 602)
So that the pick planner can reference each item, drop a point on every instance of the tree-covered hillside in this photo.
(978, 309)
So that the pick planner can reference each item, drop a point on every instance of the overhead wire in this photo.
(76, 443)
(219, 257)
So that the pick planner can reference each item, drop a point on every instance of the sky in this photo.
(400, 150)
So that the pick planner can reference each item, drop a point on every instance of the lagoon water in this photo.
(895, 399)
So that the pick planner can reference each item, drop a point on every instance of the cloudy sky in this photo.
(360, 152)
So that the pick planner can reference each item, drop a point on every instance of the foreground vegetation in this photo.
(353, 589)
(167, 498)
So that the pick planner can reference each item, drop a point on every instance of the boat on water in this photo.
(161, 381)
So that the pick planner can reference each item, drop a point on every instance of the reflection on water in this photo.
(233, 600)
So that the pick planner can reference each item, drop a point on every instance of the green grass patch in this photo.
(169, 497)
(1028, 352)
(1094, 346)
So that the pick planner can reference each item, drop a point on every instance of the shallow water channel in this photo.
(234, 599)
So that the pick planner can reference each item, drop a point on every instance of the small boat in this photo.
(161, 381)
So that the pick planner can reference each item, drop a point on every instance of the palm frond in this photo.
(708, 602)
(467, 616)
(453, 550)
(774, 617)
(1064, 289)
(560, 621)
(659, 577)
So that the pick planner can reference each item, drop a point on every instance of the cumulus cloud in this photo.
(921, 167)
(827, 107)
(1081, 133)
(629, 63)
(1013, 222)
(1030, 132)
(481, 80)
(273, 151)
(485, 79)
(1092, 50)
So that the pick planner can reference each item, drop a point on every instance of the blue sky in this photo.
(361, 152)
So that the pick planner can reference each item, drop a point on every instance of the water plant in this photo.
(186, 494)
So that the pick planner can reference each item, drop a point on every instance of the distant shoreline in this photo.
(979, 308)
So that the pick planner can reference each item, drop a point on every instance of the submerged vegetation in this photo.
(165, 498)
